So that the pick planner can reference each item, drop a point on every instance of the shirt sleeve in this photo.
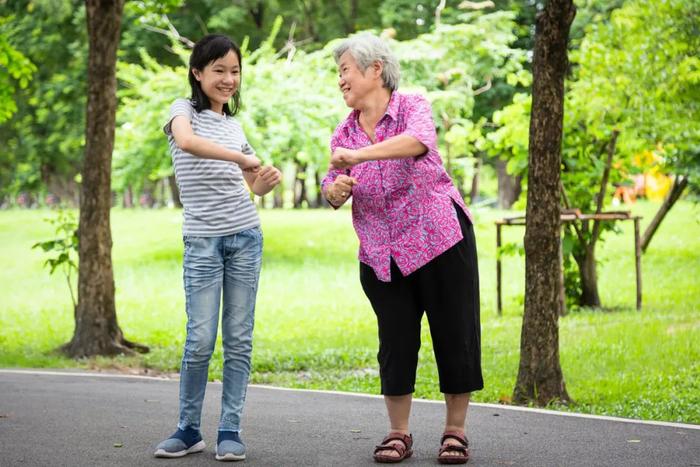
(419, 122)
(247, 149)
(179, 107)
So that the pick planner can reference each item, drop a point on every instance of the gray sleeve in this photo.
(247, 149)
(179, 107)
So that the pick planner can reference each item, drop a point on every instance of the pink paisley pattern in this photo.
(401, 208)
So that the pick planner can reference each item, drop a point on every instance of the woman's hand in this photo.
(266, 179)
(340, 190)
(344, 158)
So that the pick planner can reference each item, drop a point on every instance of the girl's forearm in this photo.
(202, 147)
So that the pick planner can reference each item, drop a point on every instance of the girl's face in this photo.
(220, 80)
(356, 84)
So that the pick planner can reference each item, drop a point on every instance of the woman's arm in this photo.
(417, 139)
(396, 147)
(202, 147)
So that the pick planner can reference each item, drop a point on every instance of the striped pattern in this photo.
(213, 193)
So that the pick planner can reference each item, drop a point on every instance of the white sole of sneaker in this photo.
(199, 447)
(230, 457)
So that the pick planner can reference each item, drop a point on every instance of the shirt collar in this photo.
(392, 110)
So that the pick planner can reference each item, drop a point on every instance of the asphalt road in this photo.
(70, 419)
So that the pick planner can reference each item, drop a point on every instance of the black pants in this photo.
(447, 289)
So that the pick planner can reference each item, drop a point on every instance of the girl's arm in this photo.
(187, 141)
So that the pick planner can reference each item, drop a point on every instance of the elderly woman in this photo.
(417, 248)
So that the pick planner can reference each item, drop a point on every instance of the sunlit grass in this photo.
(315, 328)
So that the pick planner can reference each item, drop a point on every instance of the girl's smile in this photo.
(220, 80)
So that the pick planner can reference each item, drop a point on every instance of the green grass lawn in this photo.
(315, 328)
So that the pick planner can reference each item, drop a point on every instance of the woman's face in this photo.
(220, 80)
(354, 83)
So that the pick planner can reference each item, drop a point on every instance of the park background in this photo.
(631, 132)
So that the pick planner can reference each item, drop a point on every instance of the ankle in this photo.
(228, 436)
(189, 436)
(454, 428)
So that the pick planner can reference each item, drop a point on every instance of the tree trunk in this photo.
(320, 199)
(62, 186)
(589, 277)
(96, 328)
(540, 378)
(278, 196)
(174, 192)
(474, 192)
(509, 187)
(128, 199)
(586, 258)
(299, 186)
(258, 14)
(679, 185)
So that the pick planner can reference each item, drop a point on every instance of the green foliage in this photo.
(636, 74)
(640, 72)
(285, 124)
(64, 247)
(140, 150)
(44, 139)
(510, 139)
(15, 69)
(283, 58)
(510, 249)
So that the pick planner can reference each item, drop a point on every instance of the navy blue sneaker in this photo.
(181, 443)
(229, 447)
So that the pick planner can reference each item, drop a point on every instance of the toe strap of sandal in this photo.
(453, 448)
(460, 448)
(457, 436)
(405, 440)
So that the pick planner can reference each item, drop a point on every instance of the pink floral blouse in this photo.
(403, 208)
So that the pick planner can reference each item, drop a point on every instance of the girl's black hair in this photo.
(206, 50)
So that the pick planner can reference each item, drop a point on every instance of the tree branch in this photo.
(438, 12)
(467, 5)
(170, 32)
(604, 184)
(484, 88)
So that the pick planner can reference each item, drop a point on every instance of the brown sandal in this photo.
(404, 450)
(463, 450)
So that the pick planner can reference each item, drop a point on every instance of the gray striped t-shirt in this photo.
(215, 199)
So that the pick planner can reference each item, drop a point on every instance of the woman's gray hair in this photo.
(366, 49)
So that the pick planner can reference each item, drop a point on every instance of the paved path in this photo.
(70, 419)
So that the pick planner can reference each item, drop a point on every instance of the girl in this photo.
(223, 241)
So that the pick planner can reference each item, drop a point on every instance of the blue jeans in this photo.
(211, 265)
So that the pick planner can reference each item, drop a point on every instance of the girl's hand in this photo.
(344, 158)
(270, 176)
(264, 180)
